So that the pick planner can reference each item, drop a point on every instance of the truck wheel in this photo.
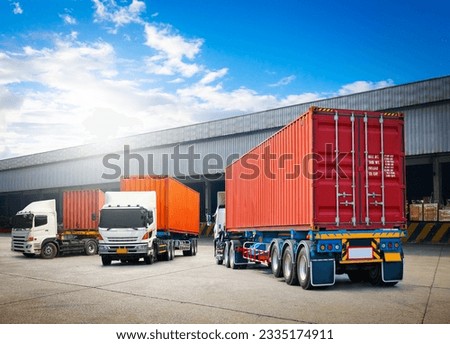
(106, 260)
(289, 268)
(275, 262)
(28, 255)
(226, 255)
(218, 261)
(90, 247)
(189, 252)
(149, 259)
(303, 269)
(49, 251)
(195, 247)
(375, 277)
(232, 257)
(171, 251)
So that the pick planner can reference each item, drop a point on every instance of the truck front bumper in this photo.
(139, 249)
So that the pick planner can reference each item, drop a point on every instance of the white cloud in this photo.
(284, 81)
(69, 20)
(109, 11)
(17, 9)
(363, 86)
(212, 76)
(171, 51)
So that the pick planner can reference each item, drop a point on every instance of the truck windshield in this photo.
(22, 221)
(123, 218)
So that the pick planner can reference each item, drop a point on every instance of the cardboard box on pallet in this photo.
(444, 215)
(430, 212)
(416, 212)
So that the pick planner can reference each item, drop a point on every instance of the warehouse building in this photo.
(197, 154)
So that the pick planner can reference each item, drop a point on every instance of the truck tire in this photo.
(232, 257)
(149, 259)
(106, 260)
(49, 251)
(303, 269)
(218, 261)
(90, 247)
(189, 252)
(289, 267)
(376, 279)
(226, 255)
(171, 250)
(195, 246)
(275, 263)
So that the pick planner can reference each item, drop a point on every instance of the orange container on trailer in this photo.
(178, 206)
(81, 209)
(290, 182)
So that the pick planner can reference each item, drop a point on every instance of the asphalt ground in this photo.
(194, 290)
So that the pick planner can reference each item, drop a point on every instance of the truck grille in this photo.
(122, 239)
(18, 243)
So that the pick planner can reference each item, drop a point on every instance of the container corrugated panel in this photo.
(290, 182)
(81, 209)
(178, 206)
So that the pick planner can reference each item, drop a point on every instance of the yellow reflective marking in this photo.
(440, 233)
(424, 232)
(392, 257)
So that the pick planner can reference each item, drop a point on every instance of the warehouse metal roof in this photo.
(425, 103)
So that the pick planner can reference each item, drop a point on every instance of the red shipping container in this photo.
(81, 209)
(178, 206)
(290, 182)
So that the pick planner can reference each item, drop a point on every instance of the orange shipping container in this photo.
(81, 209)
(178, 206)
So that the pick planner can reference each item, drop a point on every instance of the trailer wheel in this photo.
(289, 268)
(90, 247)
(194, 245)
(303, 269)
(171, 250)
(375, 275)
(218, 261)
(275, 263)
(106, 260)
(49, 251)
(232, 257)
(226, 255)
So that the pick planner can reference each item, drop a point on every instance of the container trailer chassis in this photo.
(314, 258)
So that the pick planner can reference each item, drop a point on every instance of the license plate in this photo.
(122, 251)
(360, 253)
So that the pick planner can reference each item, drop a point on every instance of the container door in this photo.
(382, 187)
(335, 170)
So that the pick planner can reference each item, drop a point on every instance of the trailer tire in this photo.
(171, 250)
(90, 247)
(275, 263)
(232, 257)
(195, 246)
(303, 269)
(218, 261)
(226, 255)
(289, 267)
(49, 251)
(106, 260)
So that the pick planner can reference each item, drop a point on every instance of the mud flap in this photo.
(322, 272)
(392, 271)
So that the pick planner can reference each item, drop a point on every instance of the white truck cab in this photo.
(33, 227)
(127, 227)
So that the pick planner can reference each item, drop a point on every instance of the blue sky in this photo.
(79, 71)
